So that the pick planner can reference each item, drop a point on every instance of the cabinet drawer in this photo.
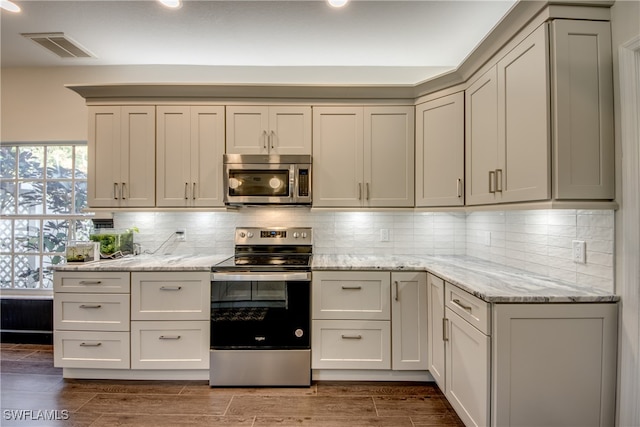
(92, 281)
(350, 344)
(170, 345)
(91, 312)
(351, 295)
(170, 296)
(80, 349)
(470, 308)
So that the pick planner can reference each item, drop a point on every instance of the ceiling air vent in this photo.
(61, 45)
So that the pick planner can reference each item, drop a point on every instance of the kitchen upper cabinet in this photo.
(190, 145)
(508, 127)
(582, 110)
(363, 156)
(269, 130)
(541, 101)
(440, 152)
(121, 163)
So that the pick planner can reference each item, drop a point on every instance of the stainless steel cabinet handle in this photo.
(395, 285)
(90, 282)
(355, 288)
(445, 329)
(123, 190)
(193, 192)
(499, 180)
(90, 306)
(170, 288)
(459, 187)
(169, 337)
(462, 306)
(368, 193)
(492, 181)
(272, 138)
(90, 344)
(351, 337)
(359, 191)
(186, 190)
(115, 190)
(264, 139)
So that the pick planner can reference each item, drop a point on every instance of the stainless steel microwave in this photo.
(256, 179)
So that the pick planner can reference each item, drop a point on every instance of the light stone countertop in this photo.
(486, 280)
(148, 263)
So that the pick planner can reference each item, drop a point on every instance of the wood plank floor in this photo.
(30, 382)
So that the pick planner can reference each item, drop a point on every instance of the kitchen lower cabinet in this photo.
(189, 149)
(170, 313)
(409, 321)
(369, 320)
(467, 383)
(554, 364)
(121, 156)
(132, 325)
(91, 320)
(525, 364)
(350, 344)
(363, 156)
(435, 333)
(170, 344)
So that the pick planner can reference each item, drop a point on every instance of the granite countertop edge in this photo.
(491, 282)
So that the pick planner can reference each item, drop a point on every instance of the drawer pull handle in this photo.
(170, 288)
(90, 344)
(351, 337)
(169, 337)
(461, 305)
(90, 306)
(352, 288)
(90, 282)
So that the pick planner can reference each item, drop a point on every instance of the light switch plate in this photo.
(384, 234)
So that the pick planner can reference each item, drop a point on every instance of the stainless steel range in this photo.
(260, 310)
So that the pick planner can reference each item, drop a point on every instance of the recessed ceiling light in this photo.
(9, 6)
(173, 4)
(337, 3)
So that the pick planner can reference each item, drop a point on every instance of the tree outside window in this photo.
(43, 189)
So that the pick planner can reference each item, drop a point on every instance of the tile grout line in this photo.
(374, 405)
(224, 414)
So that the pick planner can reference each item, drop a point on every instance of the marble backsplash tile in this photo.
(538, 241)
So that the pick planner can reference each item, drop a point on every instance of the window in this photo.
(43, 189)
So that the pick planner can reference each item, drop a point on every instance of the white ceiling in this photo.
(306, 41)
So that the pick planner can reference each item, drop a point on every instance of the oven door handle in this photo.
(261, 277)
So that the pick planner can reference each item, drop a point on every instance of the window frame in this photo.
(40, 221)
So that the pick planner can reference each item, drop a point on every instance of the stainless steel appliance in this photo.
(260, 310)
(267, 179)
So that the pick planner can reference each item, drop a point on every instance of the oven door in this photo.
(260, 310)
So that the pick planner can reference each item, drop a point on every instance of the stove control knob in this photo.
(242, 234)
(249, 234)
(296, 235)
(304, 235)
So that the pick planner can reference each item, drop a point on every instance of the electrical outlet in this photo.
(181, 235)
(486, 238)
(384, 234)
(579, 251)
